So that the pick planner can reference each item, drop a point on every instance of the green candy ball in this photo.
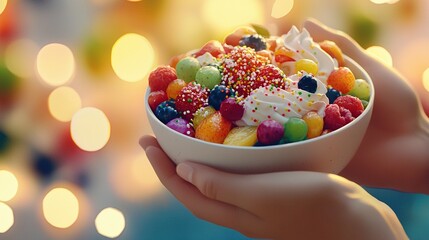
(187, 68)
(295, 130)
(360, 90)
(208, 76)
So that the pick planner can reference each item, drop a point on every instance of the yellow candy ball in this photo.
(315, 124)
(306, 65)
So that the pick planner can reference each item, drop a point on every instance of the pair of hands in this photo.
(310, 205)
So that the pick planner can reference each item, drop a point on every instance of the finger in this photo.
(218, 185)
(147, 141)
(207, 209)
(321, 32)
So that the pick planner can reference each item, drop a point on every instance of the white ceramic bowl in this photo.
(327, 153)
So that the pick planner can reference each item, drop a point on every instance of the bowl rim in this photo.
(349, 61)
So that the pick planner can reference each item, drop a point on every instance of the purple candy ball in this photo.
(270, 132)
(182, 126)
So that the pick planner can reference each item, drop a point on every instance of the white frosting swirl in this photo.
(303, 47)
(278, 104)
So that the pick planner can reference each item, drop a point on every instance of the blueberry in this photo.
(254, 41)
(166, 111)
(218, 94)
(308, 83)
(332, 94)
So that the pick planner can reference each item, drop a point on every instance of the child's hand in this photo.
(395, 150)
(283, 205)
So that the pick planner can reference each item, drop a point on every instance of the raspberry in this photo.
(269, 75)
(238, 69)
(336, 117)
(191, 98)
(351, 103)
(161, 77)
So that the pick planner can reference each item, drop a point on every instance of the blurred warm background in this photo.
(79, 68)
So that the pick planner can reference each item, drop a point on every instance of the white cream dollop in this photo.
(303, 47)
(278, 104)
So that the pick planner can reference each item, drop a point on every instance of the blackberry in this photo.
(332, 94)
(218, 94)
(166, 111)
(308, 83)
(254, 41)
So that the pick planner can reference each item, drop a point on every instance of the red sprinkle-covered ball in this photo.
(269, 75)
(190, 99)
(239, 69)
(351, 103)
(161, 77)
(336, 117)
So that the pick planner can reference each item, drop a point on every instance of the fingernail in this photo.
(184, 171)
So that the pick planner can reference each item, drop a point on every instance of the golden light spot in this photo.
(63, 102)
(55, 64)
(8, 186)
(6, 217)
(381, 54)
(384, 1)
(20, 56)
(132, 57)
(134, 179)
(229, 14)
(426, 79)
(60, 208)
(3, 4)
(281, 8)
(110, 222)
(90, 129)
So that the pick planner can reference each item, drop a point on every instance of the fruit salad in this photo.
(254, 90)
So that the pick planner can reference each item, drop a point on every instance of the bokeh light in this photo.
(281, 8)
(132, 57)
(90, 129)
(20, 56)
(384, 1)
(228, 14)
(63, 102)
(381, 54)
(55, 64)
(9, 186)
(134, 179)
(60, 208)
(6, 217)
(426, 79)
(110, 222)
(3, 4)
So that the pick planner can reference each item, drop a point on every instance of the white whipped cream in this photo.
(303, 46)
(278, 104)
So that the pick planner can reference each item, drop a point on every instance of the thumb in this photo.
(321, 32)
(214, 184)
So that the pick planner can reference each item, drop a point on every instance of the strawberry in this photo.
(191, 98)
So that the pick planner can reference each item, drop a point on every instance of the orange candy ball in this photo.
(342, 79)
(214, 128)
(174, 88)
